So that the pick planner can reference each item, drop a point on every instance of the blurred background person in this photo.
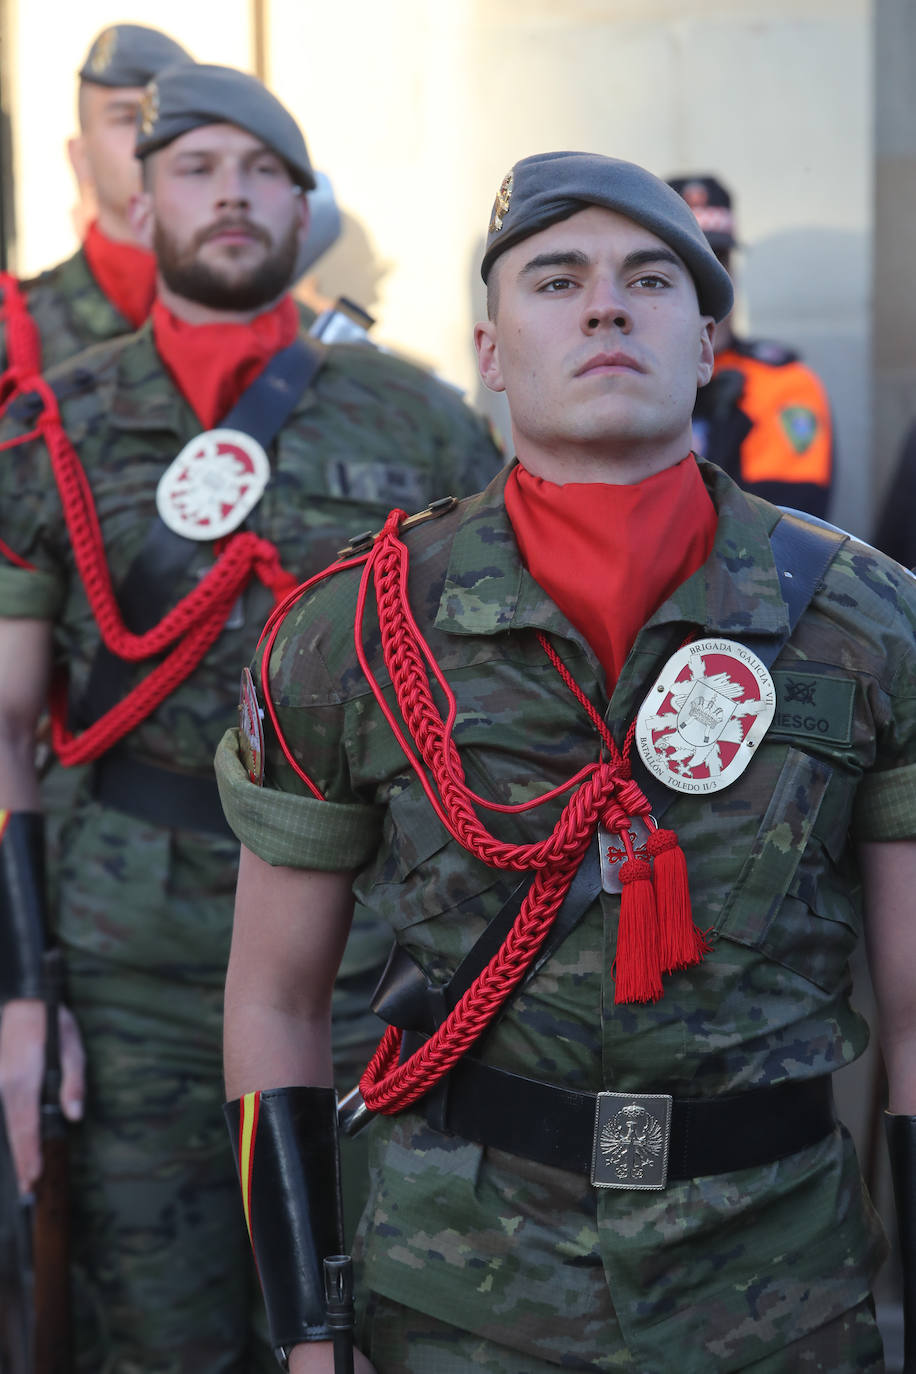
(106, 287)
(765, 416)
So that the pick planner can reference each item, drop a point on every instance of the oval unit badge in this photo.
(216, 480)
(251, 729)
(710, 707)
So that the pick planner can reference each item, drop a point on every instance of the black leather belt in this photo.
(159, 796)
(631, 1140)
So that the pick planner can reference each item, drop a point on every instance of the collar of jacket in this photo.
(735, 593)
(145, 398)
(91, 310)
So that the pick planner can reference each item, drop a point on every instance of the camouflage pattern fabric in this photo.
(71, 311)
(395, 1338)
(725, 1270)
(145, 913)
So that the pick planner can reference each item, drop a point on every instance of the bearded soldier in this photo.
(182, 479)
(610, 746)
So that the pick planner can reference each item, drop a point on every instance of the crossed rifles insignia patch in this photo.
(149, 108)
(501, 203)
(103, 51)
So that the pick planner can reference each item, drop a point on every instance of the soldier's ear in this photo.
(140, 217)
(488, 355)
(76, 155)
(707, 357)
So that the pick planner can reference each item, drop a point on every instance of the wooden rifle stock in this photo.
(52, 1344)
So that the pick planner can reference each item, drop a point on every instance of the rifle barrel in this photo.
(52, 1343)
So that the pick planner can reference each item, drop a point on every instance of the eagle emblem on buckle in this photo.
(149, 109)
(103, 51)
(501, 203)
(632, 1135)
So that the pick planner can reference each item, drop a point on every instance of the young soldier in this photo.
(217, 456)
(604, 1135)
(765, 417)
(106, 288)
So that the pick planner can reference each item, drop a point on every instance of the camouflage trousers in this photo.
(399, 1341)
(162, 1274)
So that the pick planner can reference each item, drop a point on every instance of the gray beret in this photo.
(189, 95)
(129, 55)
(549, 187)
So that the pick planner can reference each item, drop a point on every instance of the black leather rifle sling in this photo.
(147, 590)
(802, 551)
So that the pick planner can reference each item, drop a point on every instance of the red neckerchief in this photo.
(610, 555)
(125, 272)
(213, 364)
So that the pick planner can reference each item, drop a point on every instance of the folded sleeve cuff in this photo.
(886, 805)
(292, 830)
(29, 593)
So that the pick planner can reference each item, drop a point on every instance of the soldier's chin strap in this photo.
(901, 1143)
(23, 920)
(287, 1155)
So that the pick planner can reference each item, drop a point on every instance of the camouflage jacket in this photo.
(723, 1269)
(71, 311)
(371, 431)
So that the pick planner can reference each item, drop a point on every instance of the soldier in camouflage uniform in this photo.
(106, 288)
(486, 1245)
(147, 872)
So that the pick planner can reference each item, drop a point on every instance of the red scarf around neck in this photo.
(125, 272)
(212, 364)
(610, 555)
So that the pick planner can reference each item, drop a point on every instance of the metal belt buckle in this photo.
(632, 1135)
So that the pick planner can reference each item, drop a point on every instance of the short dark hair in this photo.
(493, 292)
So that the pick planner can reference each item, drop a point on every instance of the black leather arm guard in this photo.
(23, 922)
(901, 1144)
(288, 1161)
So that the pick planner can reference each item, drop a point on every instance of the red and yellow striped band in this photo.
(250, 1106)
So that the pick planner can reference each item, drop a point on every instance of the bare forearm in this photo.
(19, 789)
(290, 930)
(25, 655)
(268, 1048)
(890, 881)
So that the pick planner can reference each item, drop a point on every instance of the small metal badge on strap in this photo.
(707, 711)
(612, 852)
(215, 482)
(251, 729)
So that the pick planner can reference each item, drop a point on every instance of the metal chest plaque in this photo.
(632, 1137)
(709, 708)
(214, 483)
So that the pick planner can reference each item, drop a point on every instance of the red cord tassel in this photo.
(638, 964)
(681, 943)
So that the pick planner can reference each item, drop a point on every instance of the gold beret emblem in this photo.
(103, 51)
(501, 204)
(149, 109)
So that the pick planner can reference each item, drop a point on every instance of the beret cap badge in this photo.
(104, 50)
(501, 204)
(149, 108)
